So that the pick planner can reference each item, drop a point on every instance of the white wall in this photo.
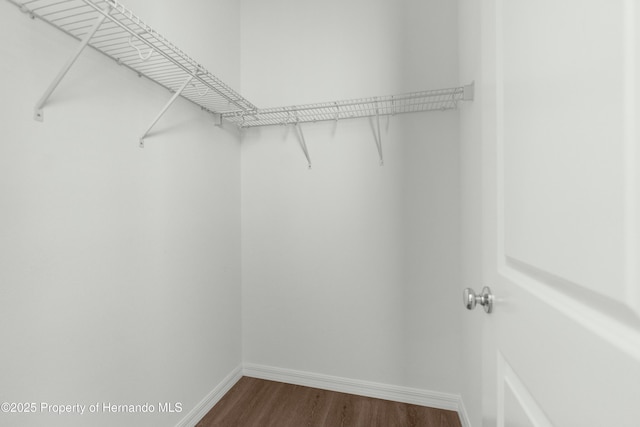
(352, 269)
(119, 267)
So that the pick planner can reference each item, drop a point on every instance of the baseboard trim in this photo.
(201, 409)
(462, 412)
(433, 399)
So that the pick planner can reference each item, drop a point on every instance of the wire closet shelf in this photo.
(433, 100)
(110, 28)
(127, 39)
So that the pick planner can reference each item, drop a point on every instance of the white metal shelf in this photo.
(127, 39)
(112, 29)
(432, 100)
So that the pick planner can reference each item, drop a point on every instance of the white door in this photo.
(561, 131)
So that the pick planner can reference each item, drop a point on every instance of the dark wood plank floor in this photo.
(259, 403)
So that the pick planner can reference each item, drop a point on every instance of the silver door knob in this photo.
(485, 299)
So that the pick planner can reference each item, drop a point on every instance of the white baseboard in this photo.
(464, 416)
(433, 399)
(201, 409)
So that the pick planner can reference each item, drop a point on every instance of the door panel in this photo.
(561, 213)
(563, 142)
(515, 402)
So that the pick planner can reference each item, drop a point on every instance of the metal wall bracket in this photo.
(165, 108)
(469, 92)
(303, 143)
(378, 138)
(38, 113)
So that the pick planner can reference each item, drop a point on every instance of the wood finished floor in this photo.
(259, 403)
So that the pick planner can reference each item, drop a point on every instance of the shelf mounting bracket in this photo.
(378, 137)
(469, 90)
(165, 108)
(38, 113)
(303, 143)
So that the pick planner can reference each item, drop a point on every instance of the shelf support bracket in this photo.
(165, 108)
(469, 92)
(303, 143)
(38, 113)
(378, 137)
